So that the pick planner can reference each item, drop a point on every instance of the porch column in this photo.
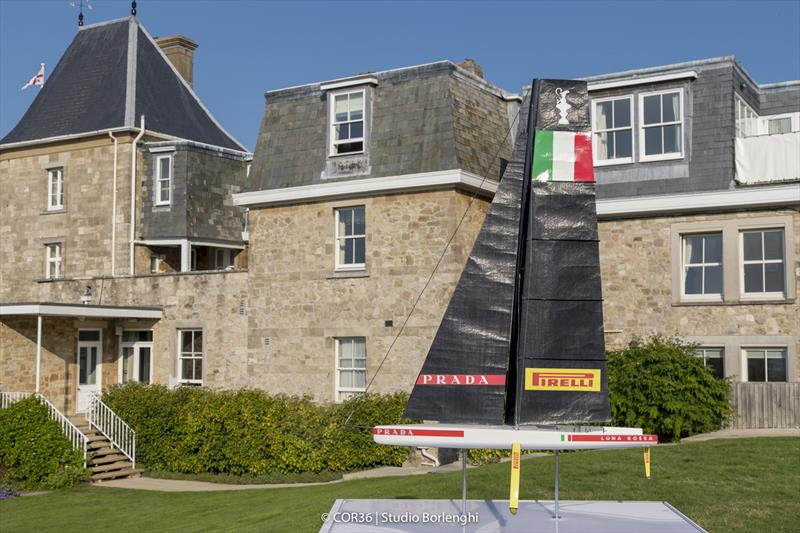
(38, 351)
(186, 255)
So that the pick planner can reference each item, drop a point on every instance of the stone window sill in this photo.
(348, 274)
(773, 301)
(53, 211)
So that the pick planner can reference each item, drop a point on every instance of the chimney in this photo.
(180, 51)
(472, 67)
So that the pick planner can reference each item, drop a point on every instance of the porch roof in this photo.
(79, 310)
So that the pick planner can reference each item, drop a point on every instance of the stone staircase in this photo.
(105, 460)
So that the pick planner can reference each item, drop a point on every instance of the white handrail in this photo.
(76, 437)
(113, 427)
(7, 398)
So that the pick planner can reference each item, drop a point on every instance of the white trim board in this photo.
(87, 311)
(602, 85)
(761, 196)
(364, 187)
(351, 82)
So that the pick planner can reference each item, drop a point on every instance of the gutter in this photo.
(133, 194)
(114, 209)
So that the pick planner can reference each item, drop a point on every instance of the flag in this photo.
(562, 156)
(36, 80)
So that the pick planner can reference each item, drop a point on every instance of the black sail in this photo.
(474, 336)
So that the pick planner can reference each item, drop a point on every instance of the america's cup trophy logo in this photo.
(562, 105)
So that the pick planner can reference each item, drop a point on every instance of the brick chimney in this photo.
(180, 51)
(472, 67)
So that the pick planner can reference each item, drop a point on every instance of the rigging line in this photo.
(473, 196)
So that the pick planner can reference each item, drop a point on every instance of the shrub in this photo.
(249, 432)
(660, 386)
(33, 450)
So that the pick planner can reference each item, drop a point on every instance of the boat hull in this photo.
(503, 437)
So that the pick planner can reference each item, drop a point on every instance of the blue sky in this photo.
(250, 46)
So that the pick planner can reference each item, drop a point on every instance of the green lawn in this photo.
(724, 485)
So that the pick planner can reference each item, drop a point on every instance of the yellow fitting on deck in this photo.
(647, 462)
(513, 499)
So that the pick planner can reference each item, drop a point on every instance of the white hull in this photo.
(502, 437)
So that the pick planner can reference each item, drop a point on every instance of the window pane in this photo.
(753, 278)
(713, 248)
(672, 139)
(349, 245)
(356, 130)
(755, 369)
(671, 105)
(780, 125)
(652, 111)
(164, 192)
(89, 336)
(776, 369)
(605, 143)
(360, 251)
(622, 113)
(346, 378)
(82, 363)
(340, 107)
(341, 253)
(752, 245)
(144, 365)
(773, 277)
(359, 348)
(356, 106)
(186, 341)
(345, 362)
(360, 379)
(164, 162)
(602, 117)
(715, 364)
(693, 284)
(198, 341)
(198, 369)
(358, 221)
(713, 280)
(345, 222)
(773, 244)
(693, 249)
(186, 369)
(342, 132)
(622, 141)
(652, 141)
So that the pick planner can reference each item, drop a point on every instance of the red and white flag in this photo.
(36, 80)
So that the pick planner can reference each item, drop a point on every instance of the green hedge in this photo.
(661, 387)
(196, 430)
(34, 452)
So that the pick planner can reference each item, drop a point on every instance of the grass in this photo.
(245, 479)
(724, 485)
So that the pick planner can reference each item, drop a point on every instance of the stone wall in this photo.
(299, 304)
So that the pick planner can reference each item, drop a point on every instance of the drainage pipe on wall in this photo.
(114, 210)
(133, 194)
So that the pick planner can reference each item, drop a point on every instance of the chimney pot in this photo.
(470, 65)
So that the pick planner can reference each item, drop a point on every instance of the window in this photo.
(55, 189)
(351, 367)
(766, 364)
(763, 269)
(53, 262)
(713, 359)
(746, 119)
(155, 264)
(222, 258)
(347, 122)
(193, 259)
(613, 130)
(350, 238)
(163, 180)
(779, 125)
(661, 130)
(190, 357)
(702, 265)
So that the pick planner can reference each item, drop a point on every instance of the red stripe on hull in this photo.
(584, 167)
(403, 432)
(467, 380)
(613, 438)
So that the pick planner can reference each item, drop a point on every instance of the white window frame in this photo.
(762, 295)
(55, 189)
(704, 357)
(160, 181)
(338, 389)
(225, 254)
(56, 259)
(128, 344)
(332, 123)
(713, 297)
(337, 237)
(155, 263)
(754, 125)
(745, 371)
(194, 356)
(621, 160)
(763, 122)
(641, 127)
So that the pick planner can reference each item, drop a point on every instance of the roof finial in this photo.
(133, 8)
(80, 4)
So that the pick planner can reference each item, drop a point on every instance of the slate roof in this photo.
(110, 75)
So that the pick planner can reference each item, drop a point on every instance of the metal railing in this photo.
(7, 398)
(113, 427)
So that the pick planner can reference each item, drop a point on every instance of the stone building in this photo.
(115, 179)
(365, 195)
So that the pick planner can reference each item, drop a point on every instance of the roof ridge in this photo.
(130, 75)
(105, 23)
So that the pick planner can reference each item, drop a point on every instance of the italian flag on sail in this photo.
(562, 156)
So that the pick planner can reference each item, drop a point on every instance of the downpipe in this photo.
(133, 194)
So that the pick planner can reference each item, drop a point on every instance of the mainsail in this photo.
(521, 341)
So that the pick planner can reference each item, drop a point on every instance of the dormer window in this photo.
(661, 130)
(163, 191)
(346, 110)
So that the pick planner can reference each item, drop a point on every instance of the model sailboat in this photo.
(519, 357)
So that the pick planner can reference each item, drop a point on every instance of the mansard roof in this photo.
(111, 74)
